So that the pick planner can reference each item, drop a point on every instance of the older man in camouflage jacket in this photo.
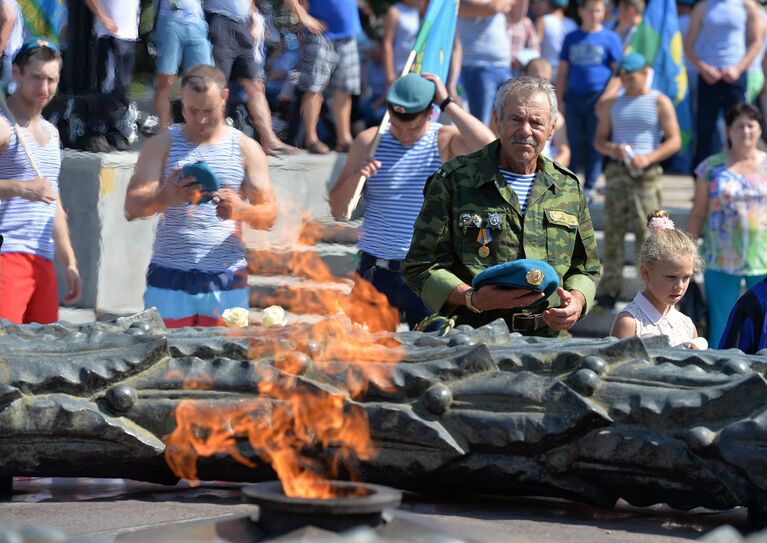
(503, 203)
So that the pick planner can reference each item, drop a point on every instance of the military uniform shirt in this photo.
(556, 227)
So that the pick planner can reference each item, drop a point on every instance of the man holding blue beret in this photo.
(504, 203)
(198, 267)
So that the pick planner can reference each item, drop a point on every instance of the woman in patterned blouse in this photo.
(730, 213)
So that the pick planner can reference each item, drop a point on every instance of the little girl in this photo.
(667, 262)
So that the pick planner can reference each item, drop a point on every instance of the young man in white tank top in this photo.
(405, 147)
(184, 255)
(32, 220)
(628, 136)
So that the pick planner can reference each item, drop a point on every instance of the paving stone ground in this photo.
(127, 511)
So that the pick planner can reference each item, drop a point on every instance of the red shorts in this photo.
(28, 289)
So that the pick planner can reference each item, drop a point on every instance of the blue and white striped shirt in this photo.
(191, 237)
(522, 185)
(27, 226)
(394, 195)
(634, 121)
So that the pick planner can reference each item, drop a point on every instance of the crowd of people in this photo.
(469, 174)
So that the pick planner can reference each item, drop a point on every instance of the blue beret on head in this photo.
(631, 63)
(410, 93)
(535, 275)
(34, 43)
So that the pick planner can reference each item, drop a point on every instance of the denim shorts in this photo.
(178, 41)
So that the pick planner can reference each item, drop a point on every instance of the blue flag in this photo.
(434, 44)
(659, 40)
(44, 18)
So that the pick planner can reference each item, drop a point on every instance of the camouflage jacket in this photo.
(556, 227)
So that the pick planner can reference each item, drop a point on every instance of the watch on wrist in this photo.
(471, 306)
(446, 102)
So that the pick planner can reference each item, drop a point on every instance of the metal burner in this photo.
(358, 504)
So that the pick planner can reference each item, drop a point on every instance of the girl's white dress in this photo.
(650, 322)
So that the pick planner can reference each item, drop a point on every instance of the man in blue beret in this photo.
(412, 148)
(503, 203)
(636, 131)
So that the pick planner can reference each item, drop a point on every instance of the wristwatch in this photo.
(471, 306)
(446, 102)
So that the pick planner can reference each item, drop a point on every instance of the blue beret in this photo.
(205, 176)
(535, 275)
(35, 43)
(631, 63)
(410, 93)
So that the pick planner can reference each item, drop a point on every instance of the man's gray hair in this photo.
(526, 86)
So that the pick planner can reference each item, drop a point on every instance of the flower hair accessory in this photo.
(657, 224)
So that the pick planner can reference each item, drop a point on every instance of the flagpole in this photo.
(374, 145)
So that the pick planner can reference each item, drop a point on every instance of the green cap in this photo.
(31, 45)
(631, 63)
(410, 93)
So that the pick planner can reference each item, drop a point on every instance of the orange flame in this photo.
(305, 422)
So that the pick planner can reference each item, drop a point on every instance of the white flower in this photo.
(235, 317)
(274, 315)
(700, 343)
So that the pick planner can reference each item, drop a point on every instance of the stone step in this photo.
(298, 295)
(321, 262)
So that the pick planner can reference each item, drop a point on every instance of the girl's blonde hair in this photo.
(666, 242)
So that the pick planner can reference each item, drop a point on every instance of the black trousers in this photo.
(114, 73)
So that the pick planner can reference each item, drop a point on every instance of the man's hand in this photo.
(110, 25)
(440, 92)
(74, 284)
(640, 162)
(619, 153)
(313, 25)
(177, 191)
(229, 205)
(502, 6)
(730, 74)
(566, 315)
(493, 297)
(37, 190)
(367, 167)
(710, 74)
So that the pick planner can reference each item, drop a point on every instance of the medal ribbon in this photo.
(484, 237)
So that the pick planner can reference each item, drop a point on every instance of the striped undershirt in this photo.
(522, 185)
(192, 237)
(27, 226)
(634, 121)
(394, 195)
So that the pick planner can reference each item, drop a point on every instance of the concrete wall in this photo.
(301, 185)
(113, 254)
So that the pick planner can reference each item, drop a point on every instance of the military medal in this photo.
(494, 220)
(484, 237)
(464, 221)
(476, 220)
